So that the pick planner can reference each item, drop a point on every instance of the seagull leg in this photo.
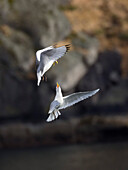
(43, 78)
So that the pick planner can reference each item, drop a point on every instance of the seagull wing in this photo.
(54, 105)
(76, 97)
(59, 52)
(39, 53)
(52, 52)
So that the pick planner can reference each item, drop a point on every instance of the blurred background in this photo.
(91, 135)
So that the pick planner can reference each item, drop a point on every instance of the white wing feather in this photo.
(76, 97)
(38, 53)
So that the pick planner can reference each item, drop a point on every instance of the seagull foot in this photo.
(54, 64)
(44, 78)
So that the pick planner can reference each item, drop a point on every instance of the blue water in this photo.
(112, 156)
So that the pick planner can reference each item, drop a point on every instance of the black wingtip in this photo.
(55, 45)
(68, 46)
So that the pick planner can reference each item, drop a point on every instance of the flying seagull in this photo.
(46, 57)
(61, 102)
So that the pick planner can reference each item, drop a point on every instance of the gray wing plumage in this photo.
(76, 97)
(55, 53)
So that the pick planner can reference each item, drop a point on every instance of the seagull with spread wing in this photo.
(61, 102)
(46, 57)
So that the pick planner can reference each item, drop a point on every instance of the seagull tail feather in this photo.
(38, 78)
(38, 82)
(54, 115)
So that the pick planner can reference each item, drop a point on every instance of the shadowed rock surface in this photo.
(89, 129)
(40, 19)
(19, 47)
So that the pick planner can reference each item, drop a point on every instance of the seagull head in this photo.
(58, 92)
(57, 87)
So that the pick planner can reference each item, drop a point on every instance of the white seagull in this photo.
(46, 57)
(61, 102)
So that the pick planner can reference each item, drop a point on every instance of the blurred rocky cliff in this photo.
(98, 57)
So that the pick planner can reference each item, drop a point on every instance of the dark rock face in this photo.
(15, 89)
(106, 72)
(106, 75)
(16, 60)
(18, 47)
(117, 96)
(40, 19)
(16, 94)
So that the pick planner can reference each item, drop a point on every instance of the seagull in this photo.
(61, 102)
(47, 57)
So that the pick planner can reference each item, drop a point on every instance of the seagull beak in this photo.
(58, 85)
